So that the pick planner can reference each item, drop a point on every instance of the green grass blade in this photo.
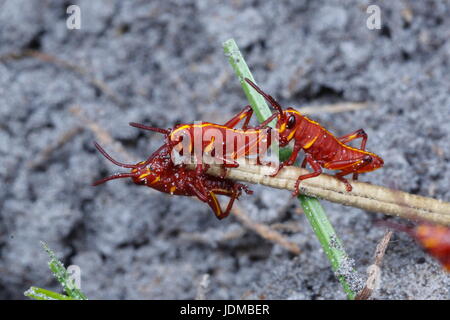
(43, 294)
(322, 227)
(63, 277)
(341, 263)
(242, 71)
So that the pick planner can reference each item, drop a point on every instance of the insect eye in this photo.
(291, 122)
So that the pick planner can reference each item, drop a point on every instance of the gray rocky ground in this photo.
(161, 63)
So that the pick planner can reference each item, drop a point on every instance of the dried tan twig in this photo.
(374, 271)
(264, 231)
(366, 196)
(46, 153)
(289, 226)
(48, 58)
(334, 108)
(101, 134)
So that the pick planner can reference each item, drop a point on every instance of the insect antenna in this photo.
(266, 96)
(115, 176)
(143, 126)
(117, 163)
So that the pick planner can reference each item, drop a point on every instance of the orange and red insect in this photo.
(435, 239)
(159, 172)
(223, 143)
(322, 148)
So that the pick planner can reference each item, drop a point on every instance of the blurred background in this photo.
(161, 63)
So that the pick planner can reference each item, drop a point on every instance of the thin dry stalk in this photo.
(366, 196)
(334, 108)
(46, 153)
(101, 134)
(374, 271)
(48, 58)
(265, 231)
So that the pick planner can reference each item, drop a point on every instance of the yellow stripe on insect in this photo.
(211, 125)
(156, 179)
(292, 134)
(310, 143)
(216, 202)
(210, 146)
(144, 175)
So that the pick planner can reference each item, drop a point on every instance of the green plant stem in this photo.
(331, 244)
(242, 71)
(316, 215)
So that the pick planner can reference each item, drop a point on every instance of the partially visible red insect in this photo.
(322, 148)
(435, 239)
(159, 172)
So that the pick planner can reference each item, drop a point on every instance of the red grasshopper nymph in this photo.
(322, 148)
(222, 143)
(159, 172)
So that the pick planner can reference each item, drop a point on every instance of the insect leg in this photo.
(199, 191)
(266, 122)
(227, 164)
(241, 186)
(246, 114)
(317, 170)
(347, 167)
(304, 163)
(291, 160)
(234, 194)
(360, 133)
(213, 202)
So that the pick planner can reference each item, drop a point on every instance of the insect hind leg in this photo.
(351, 166)
(246, 114)
(235, 194)
(360, 133)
